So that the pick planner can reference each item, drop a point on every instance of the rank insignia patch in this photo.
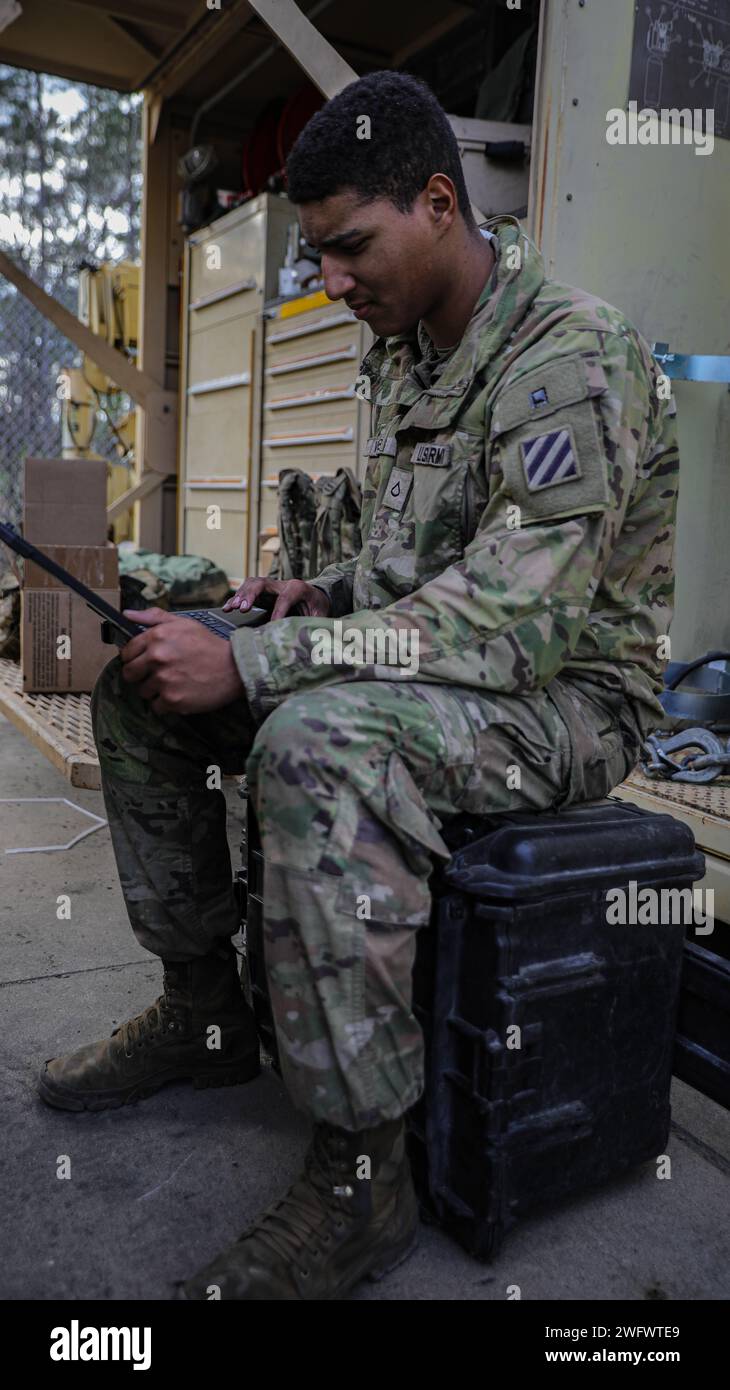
(549, 459)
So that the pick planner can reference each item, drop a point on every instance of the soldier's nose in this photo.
(337, 283)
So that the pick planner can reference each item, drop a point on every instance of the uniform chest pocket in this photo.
(449, 489)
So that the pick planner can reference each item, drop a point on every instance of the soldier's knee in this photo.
(297, 733)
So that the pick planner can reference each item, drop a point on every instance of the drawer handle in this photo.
(304, 329)
(219, 383)
(217, 295)
(296, 364)
(347, 393)
(282, 441)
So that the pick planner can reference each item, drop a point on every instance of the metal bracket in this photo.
(683, 367)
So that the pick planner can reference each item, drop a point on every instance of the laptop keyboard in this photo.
(209, 620)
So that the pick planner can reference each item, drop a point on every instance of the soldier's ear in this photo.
(442, 201)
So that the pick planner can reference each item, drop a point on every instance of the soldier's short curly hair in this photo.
(410, 139)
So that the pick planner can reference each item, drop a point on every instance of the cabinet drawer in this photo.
(220, 351)
(226, 258)
(225, 543)
(217, 433)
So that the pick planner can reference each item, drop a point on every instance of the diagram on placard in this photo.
(681, 57)
(659, 42)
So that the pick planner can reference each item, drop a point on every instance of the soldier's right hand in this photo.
(290, 595)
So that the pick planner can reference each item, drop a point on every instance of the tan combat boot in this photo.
(332, 1228)
(169, 1041)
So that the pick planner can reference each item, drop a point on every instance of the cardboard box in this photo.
(65, 502)
(50, 612)
(65, 515)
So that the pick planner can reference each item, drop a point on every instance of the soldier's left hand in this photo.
(178, 665)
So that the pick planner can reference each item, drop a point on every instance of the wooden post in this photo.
(154, 456)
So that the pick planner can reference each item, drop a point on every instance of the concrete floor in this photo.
(159, 1187)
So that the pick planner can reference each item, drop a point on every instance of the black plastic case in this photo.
(519, 940)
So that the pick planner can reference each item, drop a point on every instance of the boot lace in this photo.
(143, 1028)
(164, 1016)
(303, 1223)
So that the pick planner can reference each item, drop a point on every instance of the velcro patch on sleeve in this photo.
(557, 467)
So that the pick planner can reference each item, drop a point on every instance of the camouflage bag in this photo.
(297, 511)
(175, 581)
(318, 523)
(337, 523)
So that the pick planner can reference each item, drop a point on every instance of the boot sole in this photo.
(61, 1099)
(385, 1264)
(393, 1260)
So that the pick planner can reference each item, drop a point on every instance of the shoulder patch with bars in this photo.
(547, 429)
(549, 459)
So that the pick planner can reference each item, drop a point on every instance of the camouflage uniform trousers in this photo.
(351, 784)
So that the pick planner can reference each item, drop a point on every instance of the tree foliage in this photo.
(70, 190)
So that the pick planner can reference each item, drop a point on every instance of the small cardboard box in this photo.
(52, 613)
(65, 502)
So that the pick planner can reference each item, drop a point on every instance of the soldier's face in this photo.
(387, 265)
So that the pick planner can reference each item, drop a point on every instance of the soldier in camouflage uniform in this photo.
(517, 525)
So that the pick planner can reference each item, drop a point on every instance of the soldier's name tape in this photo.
(436, 455)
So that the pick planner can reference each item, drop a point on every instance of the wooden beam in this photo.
(429, 36)
(138, 384)
(148, 483)
(75, 72)
(325, 67)
(149, 12)
(131, 31)
(212, 31)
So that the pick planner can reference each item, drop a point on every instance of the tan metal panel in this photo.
(221, 311)
(644, 227)
(320, 319)
(226, 254)
(217, 434)
(495, 187)
(322, 417)
(613, 218)
(220, 350)
(226, 546)
(339, 344)
(303, 392)
(324, 456)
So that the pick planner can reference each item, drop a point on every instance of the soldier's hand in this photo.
(291, 595)
(178, 665)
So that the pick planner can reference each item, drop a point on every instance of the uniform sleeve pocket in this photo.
(546, 431)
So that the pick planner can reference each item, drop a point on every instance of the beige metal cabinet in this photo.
(311, 417)
(230, 270)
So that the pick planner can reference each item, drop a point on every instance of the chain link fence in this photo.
(32, 354)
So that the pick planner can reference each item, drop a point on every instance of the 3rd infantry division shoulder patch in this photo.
(548, 459)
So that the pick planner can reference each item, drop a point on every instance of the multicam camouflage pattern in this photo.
(537, 676)
(318, 523)
(176, 581)
(579, 580)
(351, 786)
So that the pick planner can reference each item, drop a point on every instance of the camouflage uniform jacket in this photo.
(518, 507)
